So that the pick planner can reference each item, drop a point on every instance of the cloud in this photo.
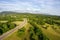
(18, 6)
(44, 6)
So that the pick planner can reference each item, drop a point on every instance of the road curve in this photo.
(13, 30)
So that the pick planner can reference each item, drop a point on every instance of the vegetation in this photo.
(21, 32)
(4, 27)
(42, 27)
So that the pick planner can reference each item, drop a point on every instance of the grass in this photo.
(17, 22)
(56, 28)
(3, 21)
(14, 36)
(50, 33)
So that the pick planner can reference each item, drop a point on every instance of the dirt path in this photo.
(13, 30)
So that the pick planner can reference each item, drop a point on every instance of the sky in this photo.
(37, 6)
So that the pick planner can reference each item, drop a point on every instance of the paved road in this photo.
(13, 30)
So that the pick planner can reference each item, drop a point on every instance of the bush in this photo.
(1, 31)
(4, 27)
(21, 32)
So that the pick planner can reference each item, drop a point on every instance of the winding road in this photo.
(13, 30)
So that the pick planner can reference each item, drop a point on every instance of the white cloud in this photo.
(45, 6)
(18, 6)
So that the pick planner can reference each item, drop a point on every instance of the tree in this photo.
(1, 31)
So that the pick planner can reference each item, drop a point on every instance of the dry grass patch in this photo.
(17, 22)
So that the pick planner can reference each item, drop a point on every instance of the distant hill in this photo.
(6, 12)
(13, 12)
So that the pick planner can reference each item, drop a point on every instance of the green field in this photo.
(39, 26)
